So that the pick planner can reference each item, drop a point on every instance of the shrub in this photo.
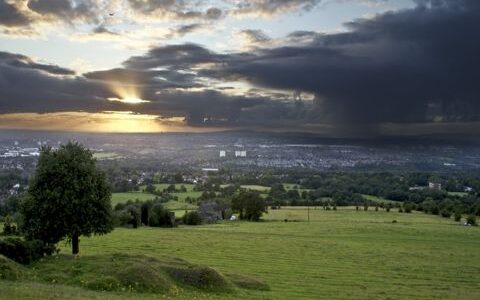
(407, 207)
(388, 208)
(161, 217)
(9, 269)
(472, 220)
(400, 210)
(210, 211)
(192, 218)
(445, 213)
(23, 251)
(9, 228)
(435, 210)
(458, 216)
(376, 208)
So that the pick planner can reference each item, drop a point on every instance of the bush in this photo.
(23, 251)
(192, 218)
(458, 216)
(407, 207)
(161, 217)
(472, 220)
(445, 213)
(435, 210)
(10, 270)
(9, 228)
(400, 210)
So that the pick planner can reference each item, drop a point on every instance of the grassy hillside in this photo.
(338, 255)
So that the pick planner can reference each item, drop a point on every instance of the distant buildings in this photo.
(241, 153)
(435, 186)
(431, 185)
(238, 153)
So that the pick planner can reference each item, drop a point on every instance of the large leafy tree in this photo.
(68, 197)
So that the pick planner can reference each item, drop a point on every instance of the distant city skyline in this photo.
(338, 68)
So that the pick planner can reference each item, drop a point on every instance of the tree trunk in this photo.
(75, 244)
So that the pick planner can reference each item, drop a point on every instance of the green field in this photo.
(379, 200)
(162, 186)
(106, 155)
(124, 197)
(181, 196)
(291, 186)
(343, 254)
(460, 194)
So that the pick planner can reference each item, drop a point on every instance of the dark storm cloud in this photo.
(22, 61)
(26, 86)
(174, 55)
(412, 65)
(30, 90)
(146, 79)
(11, 16)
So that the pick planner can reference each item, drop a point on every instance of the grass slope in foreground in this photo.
(343, 254)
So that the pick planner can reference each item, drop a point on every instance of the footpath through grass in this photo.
(343, 254)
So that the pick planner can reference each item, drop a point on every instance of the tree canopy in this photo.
(68, 197)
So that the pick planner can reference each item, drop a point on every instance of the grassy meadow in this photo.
(124, 197)
(178, 207)
(342, 254)
(379, 200)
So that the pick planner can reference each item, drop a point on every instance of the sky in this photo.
(339, 68)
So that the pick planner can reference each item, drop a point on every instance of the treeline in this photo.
(248, 204)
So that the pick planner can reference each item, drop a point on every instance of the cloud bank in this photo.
(411, 66)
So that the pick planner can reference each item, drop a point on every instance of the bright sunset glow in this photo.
(129, 100)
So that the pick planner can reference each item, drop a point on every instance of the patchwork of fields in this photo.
(343, 254)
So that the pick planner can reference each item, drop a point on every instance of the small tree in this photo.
(249, 204)
(192, 218)
(472, 220)
(68, 197)
(150, 188)
(446, 213)
(458, 216)
(8, 226)
(160, 216)
(407, 207)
